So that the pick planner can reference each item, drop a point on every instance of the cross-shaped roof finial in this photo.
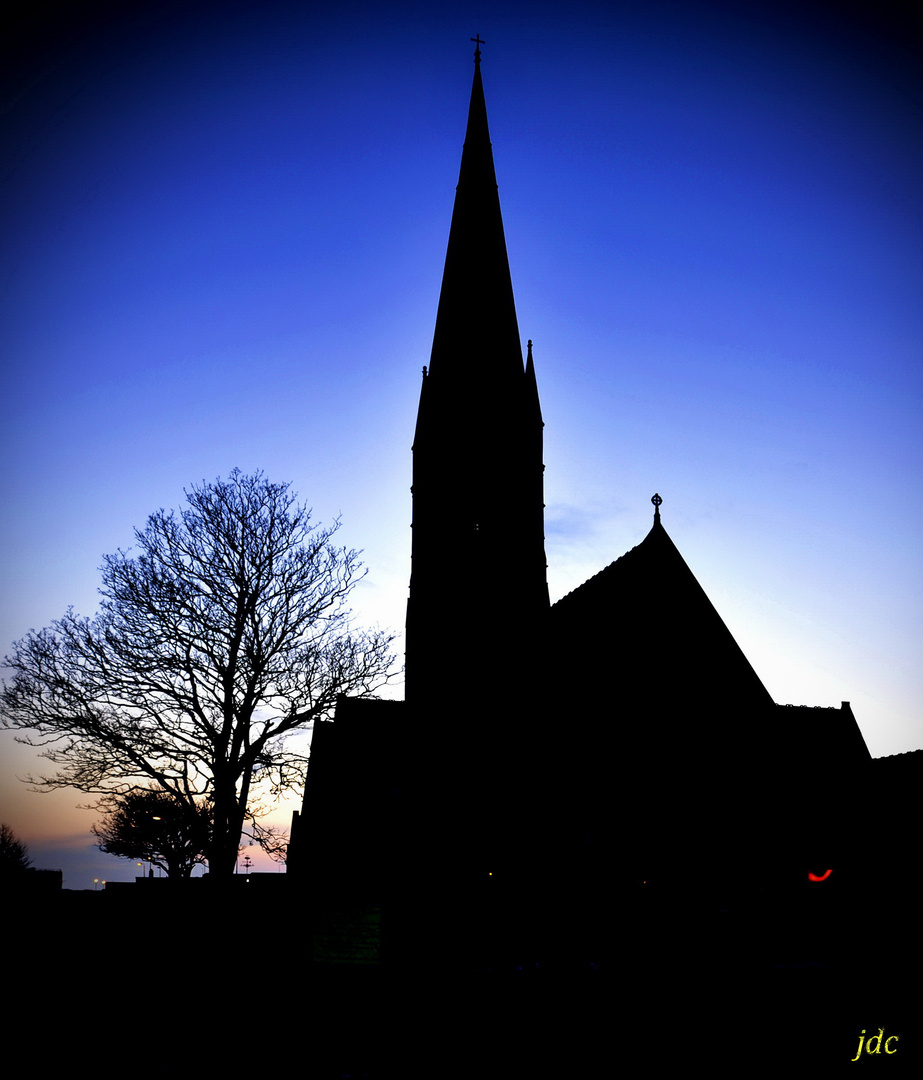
(477, 47)
(656, 500)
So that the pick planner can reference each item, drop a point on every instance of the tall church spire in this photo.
(478, 573)
(476, 329)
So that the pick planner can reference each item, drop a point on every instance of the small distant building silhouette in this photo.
(545, 751)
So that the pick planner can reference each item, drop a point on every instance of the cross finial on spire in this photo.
(656, 500)
(477, 47)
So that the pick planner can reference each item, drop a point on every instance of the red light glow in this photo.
(821, 877)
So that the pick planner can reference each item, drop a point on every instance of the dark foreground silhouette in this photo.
(202, 978)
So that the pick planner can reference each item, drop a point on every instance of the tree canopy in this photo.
(14, 855)
(227, 631)
(156, 827)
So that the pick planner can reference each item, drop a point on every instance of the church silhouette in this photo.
(553, 763)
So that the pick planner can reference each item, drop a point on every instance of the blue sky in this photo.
(223, 235)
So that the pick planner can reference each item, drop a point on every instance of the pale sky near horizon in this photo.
(223, 235)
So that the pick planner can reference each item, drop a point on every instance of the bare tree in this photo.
(272, 839)
(226, 633)
(156, 827)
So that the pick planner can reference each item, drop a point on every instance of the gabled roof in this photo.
(822, 738)
(646, 619)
